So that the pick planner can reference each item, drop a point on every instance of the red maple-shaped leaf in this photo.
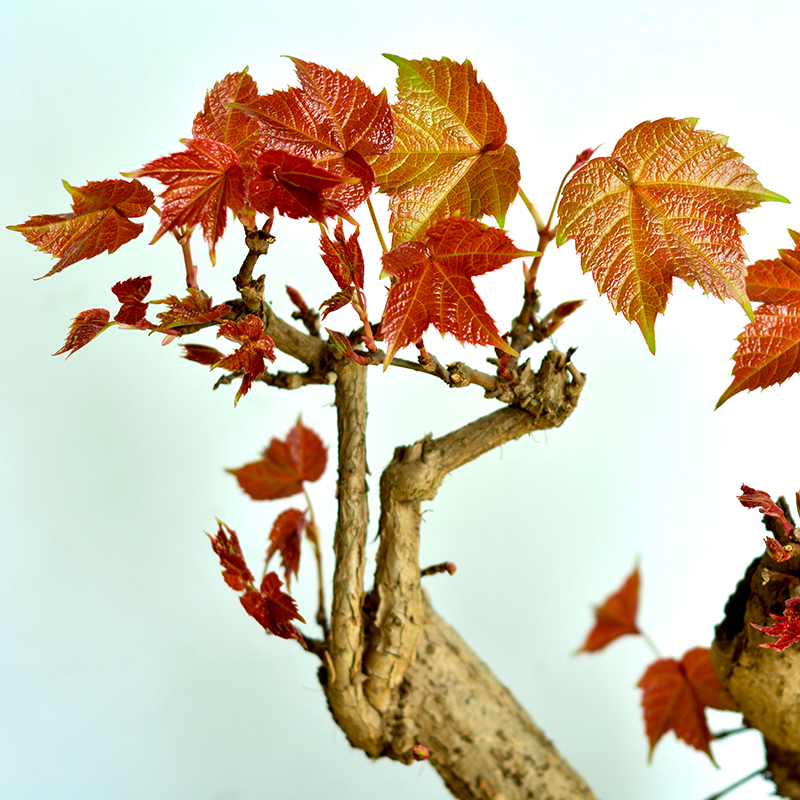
(450, 153)
(769, 346)
(616, 617)
(285, 465)
(333, 120)
(342, 256)
(664, 205)
(99, 222)
(294, 187)
(675, 695)
(273, 609)
(432, 284)
(786, 627)
(268, 605)
(203, 182)
(131, 293)
(235, 570)
(284, 538)
(254, 346)
(222, 121)
(86, 326)
(195, 309)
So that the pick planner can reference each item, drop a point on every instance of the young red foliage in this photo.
(333, 120)
(285, 536)
(753, 498)
(86, 326)
(202, 354)
(269, 606)
(663, 206)
(344, 345)
(99, 222)
(343, 257)
(787, 627)
(273, 609)
(131, 294)
(432, 284)
(450, 154)
(294, 187)
(203, 182)
(222, 121)
(769, 346)
(254, 347)
(194, 309)
(284, 466)
(675, 695)
(616, 617)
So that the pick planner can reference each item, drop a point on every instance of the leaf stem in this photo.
(738, 783)
(184, 239)
(322, 617)
(376, 226)
(651, 644)
(534, 212)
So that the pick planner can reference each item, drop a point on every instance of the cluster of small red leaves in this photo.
(664, 205)
(254, 346)
(769, 346)
(285, 465)
(432, 284)
(100, 221)
(268, 605)
(675, 694)
(753, 498)
(450, 154)
(787, 627)
(131, 293)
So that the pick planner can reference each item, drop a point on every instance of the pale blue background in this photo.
(128, 669)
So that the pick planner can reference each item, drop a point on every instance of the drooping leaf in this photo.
(222, 121)
(131, 294)
(432, 284)
(284, 466)
(616, 617)
(285, 536)
(254, 346)
(203, 182)
(786, 627)
(342, 256)
(664, 205)
(99, 222)
(194, 309)
(450, 154)
(337, 301)
(272, 608)
(86, 326)
(675, 695)
(769, 346)
(333, 120)
(294, 187)
(202, 354)
(753, 498)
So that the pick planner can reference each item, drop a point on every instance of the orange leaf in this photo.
(664, 205)
(769, 346)
(675, 695)
(99, 221)
(450, 153)
(285, 465)
(255, 346)
(616, 617)
(285, 536)
(203, 182)
(432, 284)
(86, 326)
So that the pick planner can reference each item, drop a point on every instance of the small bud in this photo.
(420, 752)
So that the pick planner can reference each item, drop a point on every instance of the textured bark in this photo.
(397, 675)
(764, 683)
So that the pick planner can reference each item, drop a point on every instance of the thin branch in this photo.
(738, 783)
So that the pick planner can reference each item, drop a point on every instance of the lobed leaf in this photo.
(786, 627)
(664, 205)
(285, 536)
(131, 294)
(450, 153)
(432, 284)
(616, 617)
(99, 222)
(343, 257)
(254, 346)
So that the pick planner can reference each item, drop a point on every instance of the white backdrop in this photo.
(128, 668)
